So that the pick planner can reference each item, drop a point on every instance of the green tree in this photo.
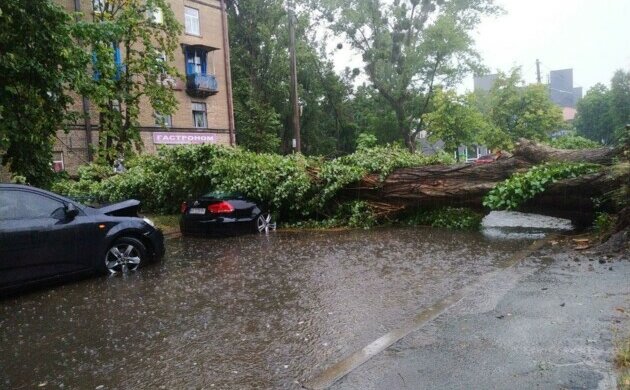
(260, 74)
(454, 120)
(132, 44)
(620, 102)
(39, 61)
(410, 46)
(523, 111)
(593, 119)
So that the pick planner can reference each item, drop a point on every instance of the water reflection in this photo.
(519, 226)
(244, 312)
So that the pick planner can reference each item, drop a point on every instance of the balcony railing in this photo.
(201, 85)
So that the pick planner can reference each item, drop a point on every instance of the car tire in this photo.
(126, 254)
(262, 223)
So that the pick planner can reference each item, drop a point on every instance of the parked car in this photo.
(220, 214)
(488, 158)
(45, 237)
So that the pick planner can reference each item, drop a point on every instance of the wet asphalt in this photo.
(551, 322)
(272, 311)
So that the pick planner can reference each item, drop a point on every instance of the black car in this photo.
(45, 237)
(220, 214)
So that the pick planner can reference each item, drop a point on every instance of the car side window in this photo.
(26, 205)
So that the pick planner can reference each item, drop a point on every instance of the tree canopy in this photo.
(39, 64)
(132, 44)
(454, 120)
(523, 111)
(604, 112)
(409, 47)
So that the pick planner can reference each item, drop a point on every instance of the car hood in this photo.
(128, 208)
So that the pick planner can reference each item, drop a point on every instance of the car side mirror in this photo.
(71, 211)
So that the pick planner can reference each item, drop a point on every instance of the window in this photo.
(100, 6)
(26, 205)
(199, 115)
(156, 15)
(191, 21)
(120, 68)
(196, 61)
(163, 120)
(57, 163)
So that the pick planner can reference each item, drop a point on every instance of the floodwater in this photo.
(259, 311)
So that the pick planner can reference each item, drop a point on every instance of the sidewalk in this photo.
(547, 323)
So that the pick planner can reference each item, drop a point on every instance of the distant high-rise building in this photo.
(561, 89)
(485, 83)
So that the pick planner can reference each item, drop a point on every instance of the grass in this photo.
(166, 222)
(622, 362)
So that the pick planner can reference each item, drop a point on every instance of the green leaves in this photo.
(39, 63)
(447, 217)
(513, 192)
(573, 142)
(294, 187)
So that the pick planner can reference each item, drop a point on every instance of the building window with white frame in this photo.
(200, 118)
(156, 15)
(191, 21)
(99, 6)
(57, 162)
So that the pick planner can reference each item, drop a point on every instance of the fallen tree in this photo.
(466, 185)
(370, 185)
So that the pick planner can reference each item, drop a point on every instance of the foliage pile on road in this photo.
(573, 142)
(295, 187)
(454, 218)
(521, 187)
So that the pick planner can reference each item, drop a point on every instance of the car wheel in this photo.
(124, 255)
(263, 222)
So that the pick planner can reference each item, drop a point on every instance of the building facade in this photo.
(204, 113)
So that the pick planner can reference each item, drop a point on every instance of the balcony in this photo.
(201, 85)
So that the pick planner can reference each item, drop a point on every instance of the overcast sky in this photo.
(590, 36)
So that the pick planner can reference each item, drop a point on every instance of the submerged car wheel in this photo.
(126, 254)
(263, 222)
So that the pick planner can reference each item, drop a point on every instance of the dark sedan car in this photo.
(45, 237)
(220, 214)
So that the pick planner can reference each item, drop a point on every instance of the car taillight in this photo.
(221, 207)
(183, 207)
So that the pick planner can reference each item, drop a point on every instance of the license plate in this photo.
(197, 210)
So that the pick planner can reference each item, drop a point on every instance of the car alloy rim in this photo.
(264, 220)
(122, 258)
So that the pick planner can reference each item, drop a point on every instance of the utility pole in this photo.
(294, 90)
(538, 71)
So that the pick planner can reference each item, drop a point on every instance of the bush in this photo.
(294, 187)
(521, 187)
(447, 217)
(573, 142)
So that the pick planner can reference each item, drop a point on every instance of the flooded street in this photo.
(238, 313)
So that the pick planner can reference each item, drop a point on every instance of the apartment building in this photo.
(204, 113)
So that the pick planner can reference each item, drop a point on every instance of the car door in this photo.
(34, 242)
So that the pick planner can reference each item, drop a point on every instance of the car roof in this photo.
(33, 189)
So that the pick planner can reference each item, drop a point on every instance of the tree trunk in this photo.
(467, 184)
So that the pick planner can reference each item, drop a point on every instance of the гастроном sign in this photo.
(182, 138)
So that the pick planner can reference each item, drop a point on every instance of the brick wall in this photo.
(73, 144)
